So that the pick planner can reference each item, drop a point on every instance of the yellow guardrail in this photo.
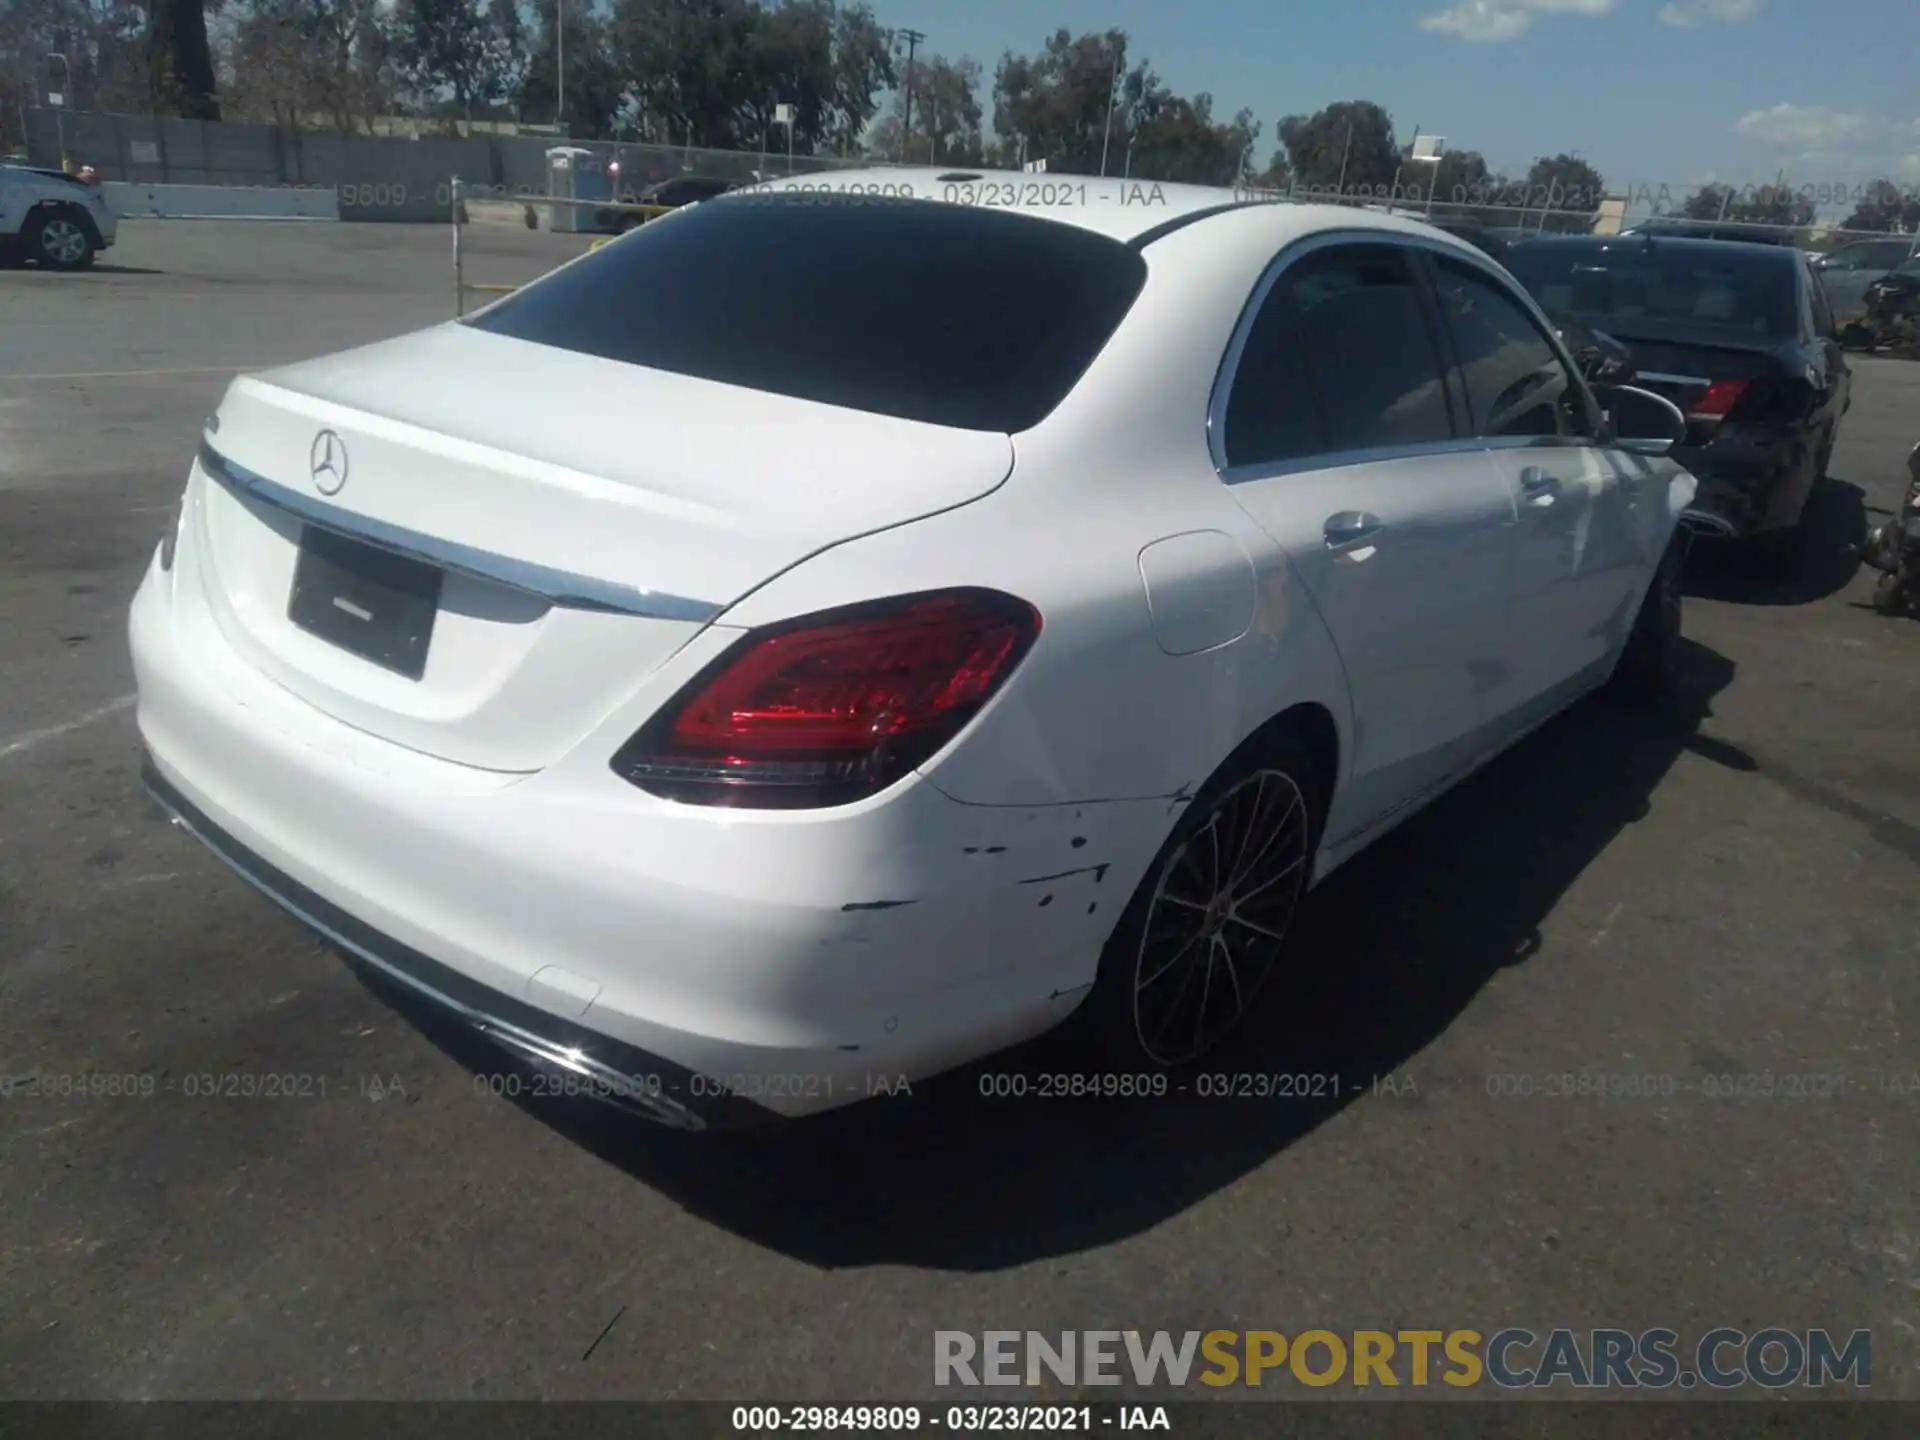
(463, 287)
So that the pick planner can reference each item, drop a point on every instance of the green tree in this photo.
(597, 86)
(455, 47)
(1568, 189)
(294, 59)
(1461, 179)
(1776, 205)
(1179, 140)
(1349, 144)
(1064, 106)
(1709, 202)
(1885, 207)
(1278, 174)
(946, 114)
(180, 60)
(711, 72)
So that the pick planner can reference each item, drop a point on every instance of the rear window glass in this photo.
(970, 318)
(1708, 285)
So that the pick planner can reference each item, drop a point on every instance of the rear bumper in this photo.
(798, 961)
(605, 1069)
(1746, 482)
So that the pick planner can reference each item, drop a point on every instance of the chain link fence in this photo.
(383, 178)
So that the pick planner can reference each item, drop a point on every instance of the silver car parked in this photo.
(1846, 273)
(57, 220)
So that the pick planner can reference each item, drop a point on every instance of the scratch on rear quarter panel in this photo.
(876, 904)
(1099, 873)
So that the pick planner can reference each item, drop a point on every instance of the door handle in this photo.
(1538, 487)
(1349, 526)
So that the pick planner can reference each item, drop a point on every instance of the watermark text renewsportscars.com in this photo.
(1512, 1358)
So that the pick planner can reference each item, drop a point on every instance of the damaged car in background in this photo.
(1741, 338)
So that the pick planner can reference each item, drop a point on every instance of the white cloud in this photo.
(1807, 127)
(1488, 22)
(1685, 14)
(1813, 139)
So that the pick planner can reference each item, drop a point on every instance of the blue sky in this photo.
(1650, 91)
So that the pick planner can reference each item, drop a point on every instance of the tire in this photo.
(1776, 552)
(60, 239)
(1651, 655)
(1180, 972)
(1889, 596)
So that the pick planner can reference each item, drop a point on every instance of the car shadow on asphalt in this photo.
(1391, 948)
(1824, 563)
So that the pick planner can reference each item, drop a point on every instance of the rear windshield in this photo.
(970, 318)
(1701, 286)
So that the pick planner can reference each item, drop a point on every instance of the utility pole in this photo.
(1113, 94)
(560, 65)
(1345, 154)
(913, 39)
(58, 98)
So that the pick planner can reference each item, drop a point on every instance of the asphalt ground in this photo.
(1723, 889)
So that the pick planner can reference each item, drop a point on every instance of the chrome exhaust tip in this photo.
(572, 1072)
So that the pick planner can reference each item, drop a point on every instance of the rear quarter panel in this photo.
(1100, 710)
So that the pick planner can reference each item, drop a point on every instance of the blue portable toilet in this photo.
(574, 173)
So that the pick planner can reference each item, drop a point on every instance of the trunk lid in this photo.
(586, 518)
(1681, 363)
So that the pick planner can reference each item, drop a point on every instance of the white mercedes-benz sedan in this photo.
(833, 634)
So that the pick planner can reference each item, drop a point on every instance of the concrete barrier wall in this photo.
(207, 202)
(376, 177)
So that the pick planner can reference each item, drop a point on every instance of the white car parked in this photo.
(52, 218)
(1025, 591)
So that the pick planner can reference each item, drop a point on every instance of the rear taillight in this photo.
(832, 707)
(1718, 401)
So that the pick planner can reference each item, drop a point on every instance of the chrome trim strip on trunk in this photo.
(638, 1094)
(557, 587)
(1666, 379)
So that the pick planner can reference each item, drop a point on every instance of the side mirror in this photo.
(1642, 422)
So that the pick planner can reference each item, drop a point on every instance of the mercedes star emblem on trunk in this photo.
(328, 462)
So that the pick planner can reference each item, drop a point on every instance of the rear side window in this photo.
(1369, 348)
(1516, 383)
(1273, 413)
(1340, 358)
(972, 318)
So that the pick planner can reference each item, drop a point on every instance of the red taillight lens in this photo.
(1718, 400)
(833, 707)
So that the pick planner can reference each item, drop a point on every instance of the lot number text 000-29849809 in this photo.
(953, 1419)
